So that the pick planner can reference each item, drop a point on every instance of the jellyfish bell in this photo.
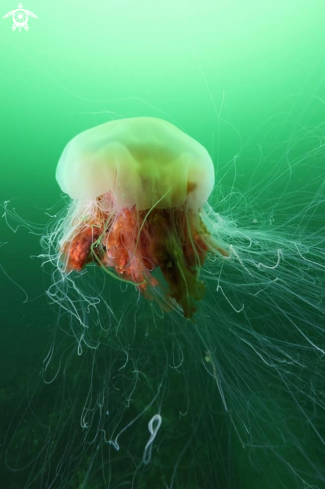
(140, 161)
(138, 187)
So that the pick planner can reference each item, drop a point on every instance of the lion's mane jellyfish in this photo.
(138, 187)
(235, 399)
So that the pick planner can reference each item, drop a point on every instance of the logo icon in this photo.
(20, 18)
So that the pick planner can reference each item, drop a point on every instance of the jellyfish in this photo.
(149, 382)
(138, 188)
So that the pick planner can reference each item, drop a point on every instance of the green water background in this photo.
(218, 70)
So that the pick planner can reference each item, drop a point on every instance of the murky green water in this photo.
(240, 391)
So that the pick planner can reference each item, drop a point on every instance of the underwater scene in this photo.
(162, 245)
